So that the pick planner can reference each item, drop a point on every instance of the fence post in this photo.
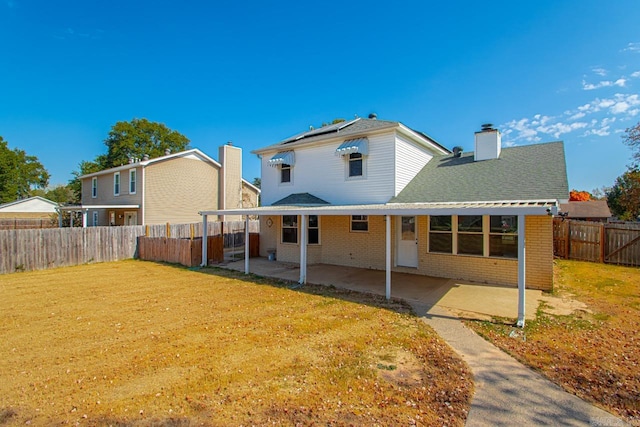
(168, 233)
(567, 236)
(146, 230)
(192, 231)
(602, 243)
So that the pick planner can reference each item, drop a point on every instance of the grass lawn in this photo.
(139, 343)
(594, 354)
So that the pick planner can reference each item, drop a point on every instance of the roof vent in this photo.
(487, 127)
(130, 160)
(457, 151)
(229, 143)
(373, 116)
(167, 151)
(145, 157)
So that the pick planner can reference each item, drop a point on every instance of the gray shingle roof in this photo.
(356, 127)
(300, 199)
(530, 172)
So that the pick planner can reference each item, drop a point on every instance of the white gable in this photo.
(33, 204)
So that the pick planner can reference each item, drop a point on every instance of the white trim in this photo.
(78, 208)
(513, 207)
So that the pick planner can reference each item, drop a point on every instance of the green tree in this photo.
(135, 139)
(257, 182)
(19, 173)
(632, 139)
(624, 197)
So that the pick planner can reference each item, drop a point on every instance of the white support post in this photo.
(85, 216)
(246, 244)
(204, 240)
(59, 218)
(521, 270)
(303, 250)
(388, 256)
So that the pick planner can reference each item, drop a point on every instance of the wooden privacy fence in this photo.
(610, 243)
(188, 252)
(38, 249)
(26, 223)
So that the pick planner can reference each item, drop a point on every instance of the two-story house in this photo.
(376, 194)
(171, 188)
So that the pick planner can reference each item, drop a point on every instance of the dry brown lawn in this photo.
(139, 343)
(593, 353)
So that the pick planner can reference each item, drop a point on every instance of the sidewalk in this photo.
(508, 393)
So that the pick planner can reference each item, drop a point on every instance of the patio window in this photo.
(359, 223)
(95, 218)
(94, 187)
(116, 184)
(132, 181)
(470, 235)
(285, 173)
(313, 230)
(503, 236)
(289, 229)
(440, 234)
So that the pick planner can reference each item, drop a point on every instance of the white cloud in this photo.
(620, 82)
(635, 74)
(599, 71)
(591, 86)
(632, 47)
(557, 129)
(577, 116)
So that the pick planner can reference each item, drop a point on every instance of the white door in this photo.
(407, 242)
(131, 218)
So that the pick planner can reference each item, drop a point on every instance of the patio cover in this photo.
(521, 208)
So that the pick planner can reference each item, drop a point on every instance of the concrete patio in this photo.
(465, 300)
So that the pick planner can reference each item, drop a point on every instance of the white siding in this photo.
(31, 205)
(410, 159)
(319, 171)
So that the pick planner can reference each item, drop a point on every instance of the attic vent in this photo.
(373, 116)
(457, 151)
(487, 127)
(167, 151)
(145, 157)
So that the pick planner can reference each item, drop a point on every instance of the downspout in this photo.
(142, 191)
(388, 257)
(204, 241)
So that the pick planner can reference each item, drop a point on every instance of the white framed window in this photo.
(289, 228)
(493, 236)
(116, 184)
(503, 236)
(355, 165)
(470, 235)
(132, 181)
(94, 187)
(441, 234)
(313, 230)
(285, 173)
(95, 218)
(360, 223)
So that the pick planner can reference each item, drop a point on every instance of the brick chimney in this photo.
(488, 143)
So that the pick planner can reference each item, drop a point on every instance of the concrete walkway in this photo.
(506, 392)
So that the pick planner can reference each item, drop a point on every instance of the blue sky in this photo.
(257, 72)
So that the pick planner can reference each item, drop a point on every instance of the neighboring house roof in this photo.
(31, 204)
(250, 185)
(345, 129)
(586, 209)
(301, 199)
(193, 152)
(530, 172)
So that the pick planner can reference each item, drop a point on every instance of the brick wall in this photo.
(340, 246)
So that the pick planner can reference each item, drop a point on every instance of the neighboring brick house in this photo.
(171, 188)
(376, 194)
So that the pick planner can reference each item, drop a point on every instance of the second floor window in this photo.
(132, 181)
(116, 184)
(355, 165)
(285, 173)
(94, 187)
